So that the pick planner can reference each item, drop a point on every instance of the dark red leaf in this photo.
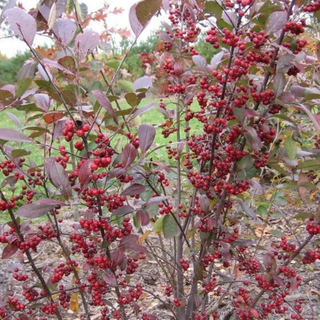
(157, 199)
(104, 102)
(118, 257)
(109, 277)
(253, 138)
(122, 211)
(131, 242)
(38, 208)
(143, 110)
(146, 136)
(134, 190)
(142, 218)
(22, 24)
(58, 176)
(85, 172)
(128, 155)
(13, 135)
(9, 251)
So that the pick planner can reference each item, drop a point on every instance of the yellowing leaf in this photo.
(74, 302)
(144, 237)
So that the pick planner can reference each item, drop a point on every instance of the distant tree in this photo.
(9, 67)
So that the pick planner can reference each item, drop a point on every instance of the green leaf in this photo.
(112, 64)
(20, 153)
(263, 209)
(213, 8)
(22, 86)
(277, 233)
(309, 165)
(291, 148)
(126, 85)
(170, 227)
(158, 226)
(6, 97)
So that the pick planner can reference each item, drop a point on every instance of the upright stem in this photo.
(30, 259)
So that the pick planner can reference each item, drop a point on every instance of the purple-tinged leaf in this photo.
(9, 87)
(58, 129)
(85, 43)
(135, 24)
(8, 181)
(43, 100)
(204, 203)
(38, 208)
(230, 17)
(144, 82)
(13, 135)
(257, 187)
(118, 257)
(52, 16)
(141, 13)
(9, 251)
(11, 4)
(165, 5)
(309, 114)
(22, 24)
(162, 166)
(109, 277)
(45, 73)
(128, 155)
(250, 213)
(122, 211)
(165, 37)
(216, 59)
(27, 70)
(276, 21)
(64, 29)
(285, 62)
(250, 113)
(15, 119)
(55, 64)
(146, 136)
(85, 172)
(115, 173)
(143, 110)
(58, 176)
(157, 199)
(142, 218)
(133, 190)
(60, 6)
(200, 62)
(178, 69)
(286, 97)
(104, 102)
(253, 138)
(279, 83)
(131, 242)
